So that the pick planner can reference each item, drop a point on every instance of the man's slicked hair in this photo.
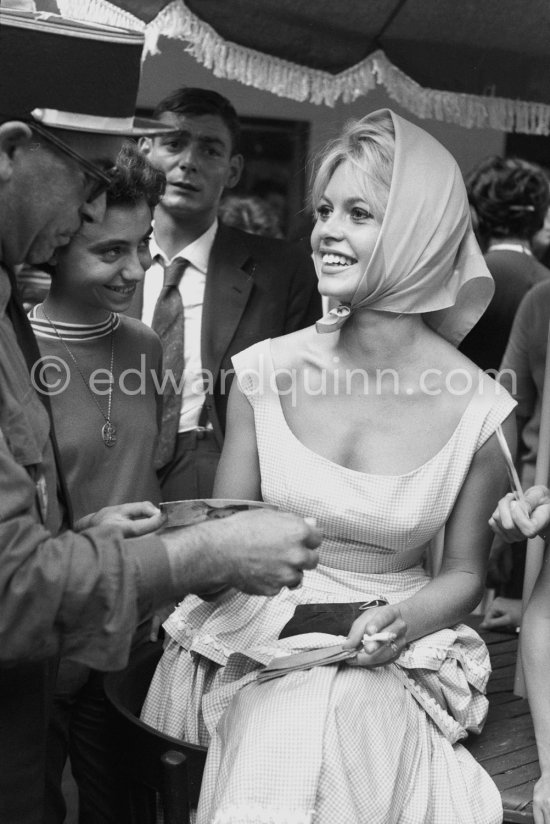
(196, 102)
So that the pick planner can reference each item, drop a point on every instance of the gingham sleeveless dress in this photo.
(335, 744)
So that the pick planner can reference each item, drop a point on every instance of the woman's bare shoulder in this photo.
(459, 364)
(296, 348)
(439, 353)
(449, 375)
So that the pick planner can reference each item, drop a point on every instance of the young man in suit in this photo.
(236, 288)
(70, 593)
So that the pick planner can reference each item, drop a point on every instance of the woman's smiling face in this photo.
(345, 233)
(104, 262)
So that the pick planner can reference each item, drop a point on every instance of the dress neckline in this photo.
(347, 469)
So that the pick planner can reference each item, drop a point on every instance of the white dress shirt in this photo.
(192, 294)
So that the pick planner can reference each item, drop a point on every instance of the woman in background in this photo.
(510, 198)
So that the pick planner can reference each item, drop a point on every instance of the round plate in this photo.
(187, 513)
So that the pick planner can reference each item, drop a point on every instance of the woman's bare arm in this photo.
(458, 587)
(238, 474)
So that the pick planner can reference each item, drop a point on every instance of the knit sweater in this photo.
(98, 475)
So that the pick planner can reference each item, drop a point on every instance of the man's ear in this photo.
(13, 134)
(236, 164)
(145, 145)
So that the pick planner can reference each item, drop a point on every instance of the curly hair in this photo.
(509, 196)
(135, 179)
(369, 144)
(251, 214)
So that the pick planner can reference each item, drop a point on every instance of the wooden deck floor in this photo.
(506, 747)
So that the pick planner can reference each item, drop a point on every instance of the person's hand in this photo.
(257, 552)
(385, 619)
(134, 519)
(513, 520)
(541, 800)
(271, 550)
(503, 612)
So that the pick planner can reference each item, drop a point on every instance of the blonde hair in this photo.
(369, 144)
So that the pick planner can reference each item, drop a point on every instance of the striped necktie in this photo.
(168, 323)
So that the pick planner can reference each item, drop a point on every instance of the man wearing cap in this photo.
(62, 116)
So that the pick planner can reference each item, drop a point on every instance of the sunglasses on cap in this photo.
(98, 180)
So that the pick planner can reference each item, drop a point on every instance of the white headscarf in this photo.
(426, 259)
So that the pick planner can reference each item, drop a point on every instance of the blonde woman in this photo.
(374, 424)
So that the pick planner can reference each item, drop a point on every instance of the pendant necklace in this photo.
(108, 430)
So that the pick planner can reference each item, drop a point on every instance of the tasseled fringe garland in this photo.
(100, 11)
(230, 61)
(256, 814)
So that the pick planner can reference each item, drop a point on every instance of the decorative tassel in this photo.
(469, 110)
(168, 22)
(100, 11)
(230, 61)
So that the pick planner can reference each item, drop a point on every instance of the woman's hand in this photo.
(503, 612)
(134, 519)
(513, 520)
(385, 619)
(541, 800)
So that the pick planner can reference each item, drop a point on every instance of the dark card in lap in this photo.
(334, 619)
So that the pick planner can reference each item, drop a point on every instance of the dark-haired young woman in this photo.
(99, 367)
(509, 198)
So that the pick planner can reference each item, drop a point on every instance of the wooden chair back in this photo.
(154, 768)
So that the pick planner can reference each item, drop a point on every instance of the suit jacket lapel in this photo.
(229, 281)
